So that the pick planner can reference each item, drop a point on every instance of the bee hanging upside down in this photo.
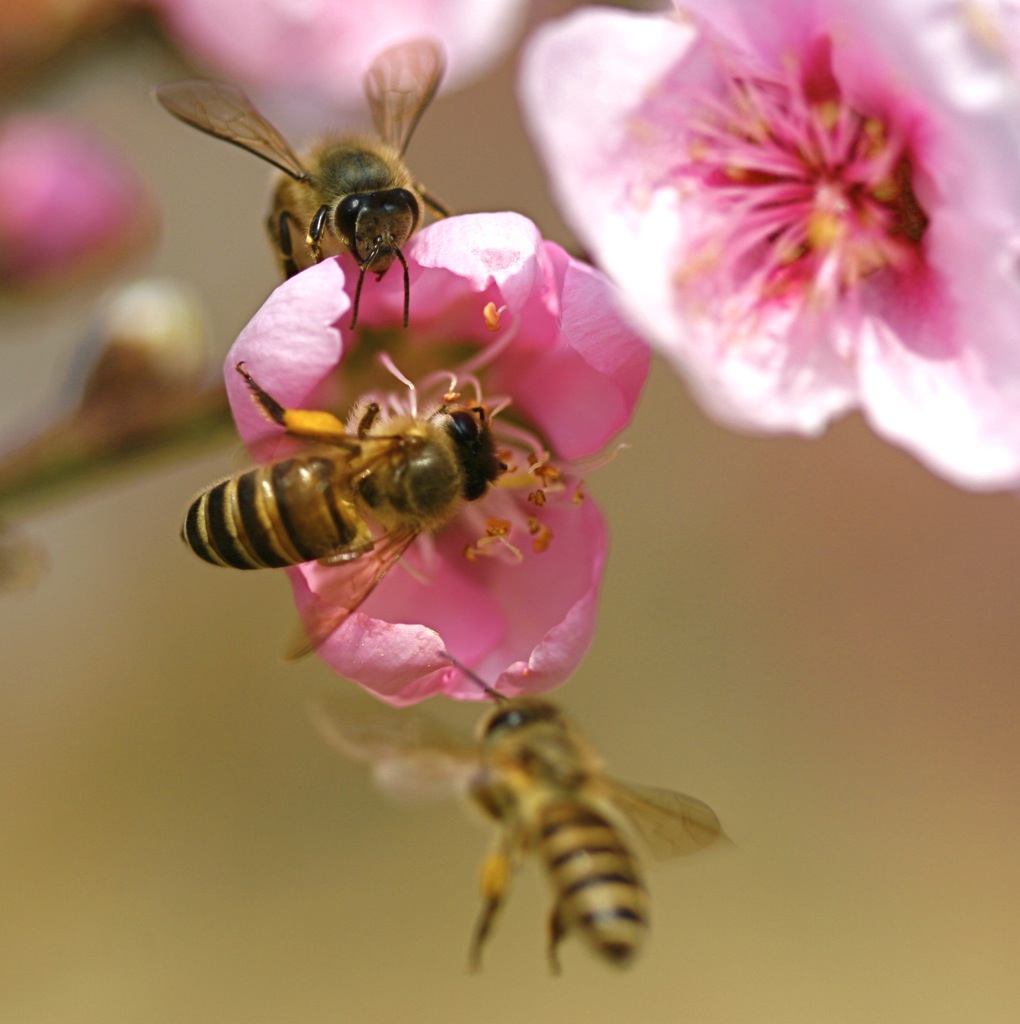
(355, 500)
(351, 193)
(536, 776)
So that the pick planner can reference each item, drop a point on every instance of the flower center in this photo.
(809, 190)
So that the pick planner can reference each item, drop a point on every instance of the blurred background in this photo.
(817, 638)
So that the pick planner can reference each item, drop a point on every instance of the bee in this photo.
(352, 193)
(537, 777)
(355, 500)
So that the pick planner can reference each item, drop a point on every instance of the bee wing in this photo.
(356, 579)
(399, 85)
(224, 111)
(672, 824)
(410, 756)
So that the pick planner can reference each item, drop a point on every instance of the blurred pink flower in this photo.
(811, 206)
(68, 204)
(521, 611)
(318, 50)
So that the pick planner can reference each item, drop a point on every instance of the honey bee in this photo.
(534, 774)
(352, 193)
(402, 474)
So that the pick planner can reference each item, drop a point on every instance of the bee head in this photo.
(377, 224)
(517, 713)
(469, 428)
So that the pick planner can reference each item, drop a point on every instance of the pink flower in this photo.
(318, 50)
(560, 365)
(68, 204)
(810, 207)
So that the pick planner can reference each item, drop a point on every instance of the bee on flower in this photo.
(445, 513)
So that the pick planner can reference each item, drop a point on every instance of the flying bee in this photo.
(352, 193)
(355, 500)
(534, 774)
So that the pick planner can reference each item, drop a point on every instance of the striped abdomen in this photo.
(596, 879)
(280, 514)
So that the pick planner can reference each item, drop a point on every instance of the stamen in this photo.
(491, 352)
(494, 542)
(492, 316)
(387, 362)
(814, 192)
(540, 533)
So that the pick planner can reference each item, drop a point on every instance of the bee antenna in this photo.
(474, 677)
(407, 286)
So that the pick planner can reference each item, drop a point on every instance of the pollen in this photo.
(541, 535)
(497, 527)
(492, 316)
(545, 471)
(494, 542)
(537, 498)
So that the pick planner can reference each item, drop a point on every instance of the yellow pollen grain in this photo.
(492, 316)
(537, 497)
(314, 422)
(579, 494)
(541, 535)
(549, 475)
(824, 230)
(497, 527)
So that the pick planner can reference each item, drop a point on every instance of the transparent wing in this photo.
(224, 111)
(355, 580)
(410, 756)
(672, 824)
(399, 85)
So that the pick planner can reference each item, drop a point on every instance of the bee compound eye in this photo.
(464, 425)
(399, 199)
(347, 215)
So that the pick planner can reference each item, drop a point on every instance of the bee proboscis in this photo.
(534, 774)
(351, 193)
(355, 500)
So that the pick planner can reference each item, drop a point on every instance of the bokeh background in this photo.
(818, 638)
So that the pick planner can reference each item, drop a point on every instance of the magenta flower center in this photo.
(809, 190)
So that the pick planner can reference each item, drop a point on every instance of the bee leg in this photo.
(368, 418)
(307, 423)
(279, 232)
(432, 203)
(557, 931)
(496, 872)
(316, 226)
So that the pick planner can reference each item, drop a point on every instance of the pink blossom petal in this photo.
(296, 334)
(317, 51)
(523, 632)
